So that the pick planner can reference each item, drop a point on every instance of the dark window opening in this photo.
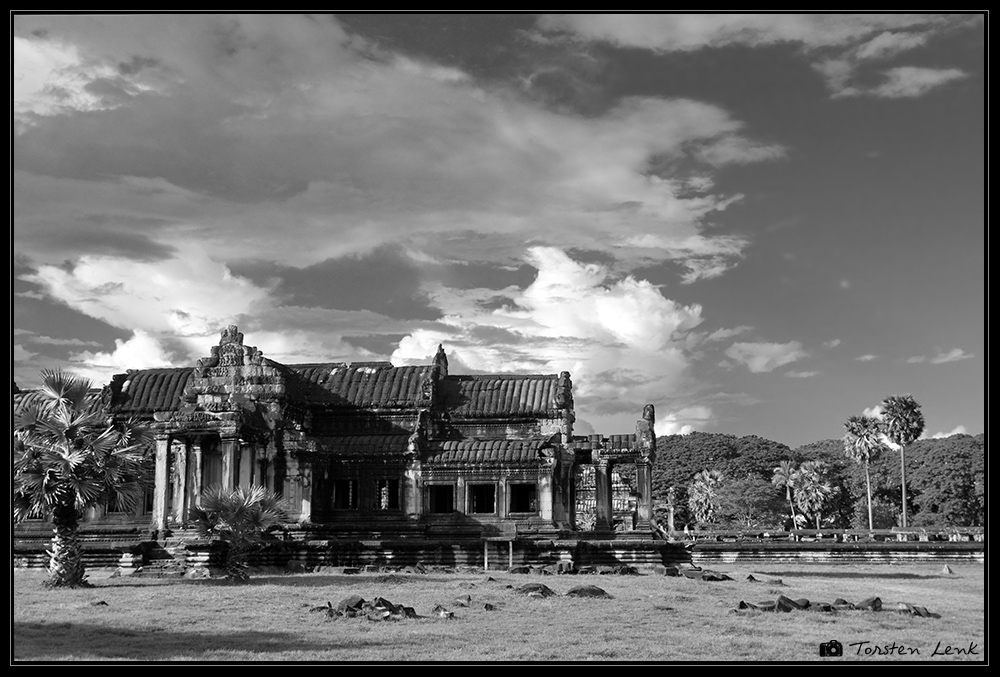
(482, 498)
(441, 498)
(345, 494)
(387, 494)
(523, 498)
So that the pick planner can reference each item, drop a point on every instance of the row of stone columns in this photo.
(604, 510)
(180, 472)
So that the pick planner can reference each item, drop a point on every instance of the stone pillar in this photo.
(179, 507)
(247, 461)
(305, 475)
(412, 488)
(545, 494)
(162, 478)
(670, 509)
(644, 485)
(192, 466)
(197, 476)
(570, 492)
(460, 495)
(603, 518)
(229, 449)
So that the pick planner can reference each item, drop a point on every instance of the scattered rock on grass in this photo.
(786, 604)
(536, 590)
(587, 591)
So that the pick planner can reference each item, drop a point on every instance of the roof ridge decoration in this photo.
(645, 434)
(230, 352)
(440, 363)
(564, 391)
(112, 392)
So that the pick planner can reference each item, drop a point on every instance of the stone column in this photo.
(179, 507)
(644, 485)
(197, 476)
(247, 461)
(602, 483)
(190, 478)
(162, 478)
(460, 495)
(305, 475)
(298, 488)
(412, 488)
(545, 494)
(229, 449)
(570, 491)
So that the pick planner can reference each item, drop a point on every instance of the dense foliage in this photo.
(239, 517)
(945, 482)
(68, 459)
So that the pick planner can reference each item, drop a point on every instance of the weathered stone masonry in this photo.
(369, 448)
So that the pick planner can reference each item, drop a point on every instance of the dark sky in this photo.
(760, 223)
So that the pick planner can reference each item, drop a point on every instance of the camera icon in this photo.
(832, 648)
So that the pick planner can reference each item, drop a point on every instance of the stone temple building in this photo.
(373, 450)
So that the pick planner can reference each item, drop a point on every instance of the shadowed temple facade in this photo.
(370, 449)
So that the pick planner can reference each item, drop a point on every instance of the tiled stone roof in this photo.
(27, 398)
(501, 395)
(367, 384)
(149, 390)
(485, 451)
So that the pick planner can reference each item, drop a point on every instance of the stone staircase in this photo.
(170, 557)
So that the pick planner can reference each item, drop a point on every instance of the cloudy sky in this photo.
(762, 224)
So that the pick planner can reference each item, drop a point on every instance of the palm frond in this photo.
(68, 388)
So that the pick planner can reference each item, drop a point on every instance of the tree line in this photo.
(724, 481)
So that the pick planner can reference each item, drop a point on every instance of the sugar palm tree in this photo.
(68, 459)
(240, 517)
(863, 444)
(902, 423)
(784, 478)
(813, 489)
(703, 495)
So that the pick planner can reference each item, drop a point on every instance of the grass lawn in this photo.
(649, 618)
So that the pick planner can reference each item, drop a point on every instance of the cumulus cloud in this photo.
(142, 351)
(801, 374)
(765, 357)
(840, 45)
(621, 339)
(185, 299)
(831, 344)
(243, 122)
(683, 421)
(866, 358)
(185, 296)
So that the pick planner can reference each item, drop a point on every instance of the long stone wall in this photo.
(906, 552)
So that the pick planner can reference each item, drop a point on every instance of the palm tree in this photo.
(813, 489)
(902, 423)
(702, 496)
(239, 517)
(784, 478)
(68, 459)
(863, 443)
